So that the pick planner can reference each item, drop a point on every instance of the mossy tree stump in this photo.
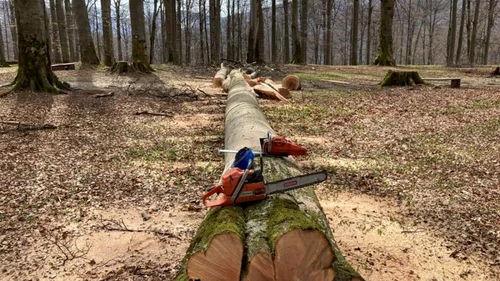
(402, 78)
(285, 237)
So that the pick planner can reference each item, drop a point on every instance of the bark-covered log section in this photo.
(285, 237)
(402, 78)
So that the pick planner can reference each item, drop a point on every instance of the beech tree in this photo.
(34, 72)
(88, 53)
(139, 58)
(107, 32)
(385, 54)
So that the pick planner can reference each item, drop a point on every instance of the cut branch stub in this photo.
(402, 78)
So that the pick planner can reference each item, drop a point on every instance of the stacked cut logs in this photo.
(284, 237)
(262, 87)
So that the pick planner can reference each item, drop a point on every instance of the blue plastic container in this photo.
(242, 157)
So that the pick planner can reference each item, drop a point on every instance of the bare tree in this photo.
(368, 33)
(70, 27)
(61, 22)
(286, 39)
(461, 32)
(117, 5)
(3, 62)
(156, 10)
(87, 50)
(13, 28)
(107, 32)
(215, 30)
(274, 53)
(34, 70)
(491, 9)
(139, 58)
(171, 37)
(255, 52)
(354, 32)
(297, 56)
(303, 28)
(385, 56)
(452, 33)
(56, 46)
(472, 51)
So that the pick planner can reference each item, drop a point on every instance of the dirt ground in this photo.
(110, 194)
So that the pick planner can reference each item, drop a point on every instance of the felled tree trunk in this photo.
(286, 236)
(402, 78)
(220, 76)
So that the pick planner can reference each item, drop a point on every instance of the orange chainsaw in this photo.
(245, 183)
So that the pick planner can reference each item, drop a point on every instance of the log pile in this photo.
(262, 87)
(284, 237)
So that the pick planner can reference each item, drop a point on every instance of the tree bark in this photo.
(286, 39)
(472, 53)
(491, 9)
(171, 37)
(70, 28)
(274, 53)
(88, 53)
(152, 36)
(201, 18)
(461, 33)
(286, 236)
(385, 56)
(34, 72)
(61, 21)
(215, 31)
(3, 62)
(179, 32)
(56, 45)
(368, 33)
(139, 58)
(297, 56)
(256, 33)
(304, 16)
(13, 28)
(354, 32)
(98, 40)
(402, 78)
(452, 33)
(328, 32)
(107, 32)
(187, 32)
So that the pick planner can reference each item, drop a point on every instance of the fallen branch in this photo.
(114, 225)
(29, 127)
(66, 244)
(145, 112)
(110, 94)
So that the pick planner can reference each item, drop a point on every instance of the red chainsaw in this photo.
(245, 183)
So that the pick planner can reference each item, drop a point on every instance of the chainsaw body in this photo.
(280, 146)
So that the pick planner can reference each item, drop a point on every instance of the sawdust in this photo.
(382, 246)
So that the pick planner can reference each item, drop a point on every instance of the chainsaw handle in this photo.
(217, 189)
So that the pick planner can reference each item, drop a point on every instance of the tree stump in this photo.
(402, 78)
(285, 237)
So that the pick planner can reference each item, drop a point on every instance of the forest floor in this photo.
(413, 192)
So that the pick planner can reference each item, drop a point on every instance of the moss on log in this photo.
(402, 78)
(269, 227)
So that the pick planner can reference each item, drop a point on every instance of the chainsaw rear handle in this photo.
(215, 190)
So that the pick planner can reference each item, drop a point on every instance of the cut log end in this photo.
(219, 77)
(291, 82)
(303, 255)
(260, 268)
(221, 262)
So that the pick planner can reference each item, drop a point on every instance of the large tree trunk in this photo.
(170, 46)
(178, 25)
(61, 21)
(296, 47)
(461, 33)
(368, 33)
(472, 52)
(286, 236)
(3, 62)
(187, 32)
(70, 28)
(139, 58)
(215, 31)
(354, 32)
(152, 36)
(384, 57)
(286, 39)
(13, 28)
(256, 33)
(304, 17)
(491, 9)
(328, 31)
(56, 45)
(201, 18)
(274, 53)
(452, 33)
(34, 72)
(118, 29)
(107, 32)
(87, 50)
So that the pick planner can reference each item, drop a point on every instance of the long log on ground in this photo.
(286, 236)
